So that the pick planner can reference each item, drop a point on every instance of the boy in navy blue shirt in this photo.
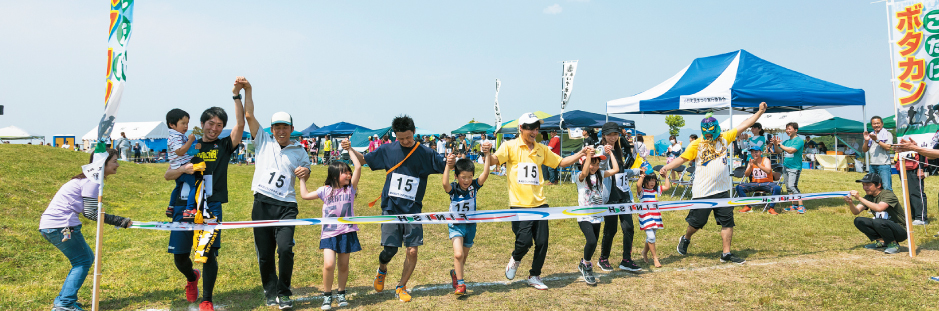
(462, 199)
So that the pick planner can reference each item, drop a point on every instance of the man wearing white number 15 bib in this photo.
(407, 166)
(523, 158)
(279, 161)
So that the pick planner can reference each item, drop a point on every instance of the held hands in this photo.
(236, 89)
(485, 147)
(302, 172)
(763, 107)
(451, 160)
(589, 152)
(345, 144)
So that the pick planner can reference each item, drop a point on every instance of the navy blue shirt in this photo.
(463, 200)
(423, 162)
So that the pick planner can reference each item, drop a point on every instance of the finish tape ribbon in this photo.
(480, 216)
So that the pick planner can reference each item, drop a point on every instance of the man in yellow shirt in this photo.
(327, 149)
(711, 180)
(523, 158)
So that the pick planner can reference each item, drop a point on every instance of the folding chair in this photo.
(685, 184)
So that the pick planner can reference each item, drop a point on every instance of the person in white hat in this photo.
(279, 160)
(523, 158)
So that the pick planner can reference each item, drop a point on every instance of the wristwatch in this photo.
(236, 96)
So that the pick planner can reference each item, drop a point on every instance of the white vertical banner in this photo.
(498, 124)
(914, 58)
(569, 68)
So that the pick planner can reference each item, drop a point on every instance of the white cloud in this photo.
(554, 9)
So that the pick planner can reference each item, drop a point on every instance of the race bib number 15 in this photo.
(527, 174)
(622, 182)
(403, 186)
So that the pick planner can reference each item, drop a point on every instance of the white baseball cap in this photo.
(529, 118)
(282, 118)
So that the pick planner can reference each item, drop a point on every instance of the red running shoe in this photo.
(206, 306)
(453, 277)
(192, 288)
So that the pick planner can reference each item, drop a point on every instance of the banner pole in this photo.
(906, 209)
(96, 285)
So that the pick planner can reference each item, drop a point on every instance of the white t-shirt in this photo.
(590, 196)
(878, 155)
(441, 146)
(273, 171)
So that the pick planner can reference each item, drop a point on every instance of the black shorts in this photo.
(398, 235)
(697, 218)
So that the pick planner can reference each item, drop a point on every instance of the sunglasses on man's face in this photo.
(530, 127)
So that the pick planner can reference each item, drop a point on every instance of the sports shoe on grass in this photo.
(800, 209)
(536, 282)
(379, 283)
(604, 264)
(772, 211)
(732, 258)
(271, 301)
(206, 306)
(875, 245)
(511, 268)
(788, 209)
(453, 277)
(683, 245)
(74, 307)
(327, 303)
(401, 292)
(629, 265)
(918, 222)
(284, 302)
(746, 209)
(460, 290)
(935, 278)
(192, 288)
(586, 270)
(892, 248)
(341, 300)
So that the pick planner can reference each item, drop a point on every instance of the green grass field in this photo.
(810, 261)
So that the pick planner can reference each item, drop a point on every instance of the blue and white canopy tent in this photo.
(737, 81)
(336, 129)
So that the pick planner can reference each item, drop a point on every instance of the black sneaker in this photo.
(605, 264)
(587, 272)
(284, 302)
(731, 258)
(271, 301)
(683, 245)
(629, 265)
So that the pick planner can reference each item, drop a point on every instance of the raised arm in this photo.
(614, 165)
(485, 175)
(345, 144)
(911, 145)
(588, 163)
(486, 149)
(571, 159)
(240, 110)
(252, 120)
(445, 177)
(356, 158)
(743, 126)
(306, 194)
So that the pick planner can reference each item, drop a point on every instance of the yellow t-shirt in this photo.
(523, 169)
(711, 175)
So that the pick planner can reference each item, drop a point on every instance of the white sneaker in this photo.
(918, 222)
(510, 268)
(537, 283)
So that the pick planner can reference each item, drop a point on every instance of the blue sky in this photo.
(365, 62)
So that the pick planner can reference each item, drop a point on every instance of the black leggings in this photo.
(591, 234)
(209, 271)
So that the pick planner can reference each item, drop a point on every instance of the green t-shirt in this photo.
(894, 211)
(793, 161)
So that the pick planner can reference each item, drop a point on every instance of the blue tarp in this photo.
(579, 118)
(336, 129)
(311, 128)
(295, 134)
(740, 80)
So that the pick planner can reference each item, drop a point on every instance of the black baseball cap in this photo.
(609, 127)
(871, 178)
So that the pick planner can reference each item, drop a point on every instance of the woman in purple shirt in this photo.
(61, 227)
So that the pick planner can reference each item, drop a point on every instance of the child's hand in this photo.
(346, 145)
(192, 137)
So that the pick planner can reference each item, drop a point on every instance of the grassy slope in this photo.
(811, 261)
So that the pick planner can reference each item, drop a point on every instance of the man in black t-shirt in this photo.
(216, 153)
(888, 227)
